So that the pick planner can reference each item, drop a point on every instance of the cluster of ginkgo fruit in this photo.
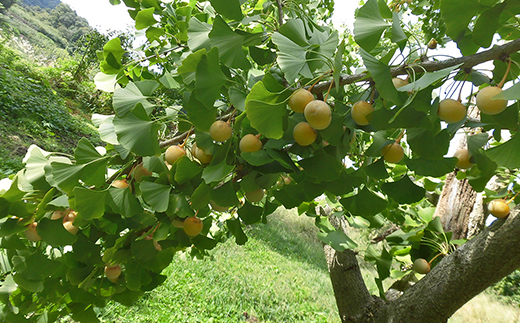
(219, 131)
(318, 116)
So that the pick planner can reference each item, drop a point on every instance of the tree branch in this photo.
(497, 52)
(280, 12)
(479, 263)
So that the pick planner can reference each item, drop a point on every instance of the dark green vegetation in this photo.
(47, 63)
(280, 275)
(121, 237)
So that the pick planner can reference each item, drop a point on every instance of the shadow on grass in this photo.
(292, 236)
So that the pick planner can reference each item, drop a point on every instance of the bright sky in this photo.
(104, 16)
(101, 14)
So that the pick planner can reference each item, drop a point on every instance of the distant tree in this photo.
(6, 4)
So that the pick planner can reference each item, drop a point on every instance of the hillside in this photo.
(47, 62)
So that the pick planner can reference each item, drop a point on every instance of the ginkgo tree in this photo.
(78, 231)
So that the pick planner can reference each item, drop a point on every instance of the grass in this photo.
(486, 308)
(280, 275)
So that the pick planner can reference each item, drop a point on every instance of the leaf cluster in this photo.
(241, 64)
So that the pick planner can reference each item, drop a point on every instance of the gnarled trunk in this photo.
(479, 263)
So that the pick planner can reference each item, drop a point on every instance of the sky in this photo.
(104, 16)
(101, 14)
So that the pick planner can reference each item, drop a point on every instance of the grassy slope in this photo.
(31, 110)
(280, 275)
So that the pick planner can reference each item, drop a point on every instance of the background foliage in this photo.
(241, 62)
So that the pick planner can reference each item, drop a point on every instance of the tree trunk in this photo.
(459, 277)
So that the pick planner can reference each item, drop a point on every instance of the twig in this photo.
(280, 12)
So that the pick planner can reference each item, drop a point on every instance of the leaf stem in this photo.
(505, 75)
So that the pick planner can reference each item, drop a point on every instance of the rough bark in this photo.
(479, 263)
(459, 277)
(460, 207)
(456, 203)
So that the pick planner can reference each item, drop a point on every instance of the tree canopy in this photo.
(102, 224)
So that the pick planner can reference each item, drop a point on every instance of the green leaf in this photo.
(105, 82)
(435, 225)
(404, 191)
(487, 25)
(112, 54)
(145, 18)
(257, 158)
(186, 170)
(137, 133)
(262, 56)
(105, 126)
(229, 45)
(125, 100)
(34, 286)
(83, 313)
(199, 115)
(428, 79)
(507, 119)
(224, 195)
(480, 175)
(237, 98)
(209, 79)
(54, 233)
(128, 297)
(154, 34)
(250, 214)
(156, 195)
(398, 35)
(376, 170)
(198, 35)
(35, 266)
(337, 239)
(383, 262)
(236, 229)
(381, 74)
(369, 25)
(218, 172)
(64, 176)
(88, 203)
(457, 14)
(266, 110)
(364, 204)
(200, 197)
(85, 152)
(292, 58)
(147, 87)
(9, 226)
(427, 145)
(228, 8)
(431, 167)
(507, 154)
(513, 93)
(322, 166)
(189, 66)
(124, 202)
(476, 142)
(169, 82)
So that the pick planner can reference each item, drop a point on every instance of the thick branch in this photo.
(354, 301)
(479, 263)
(497, 52)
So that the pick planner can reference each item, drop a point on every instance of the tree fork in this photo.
(469, 270)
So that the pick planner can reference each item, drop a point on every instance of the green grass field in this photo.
(280, 275)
